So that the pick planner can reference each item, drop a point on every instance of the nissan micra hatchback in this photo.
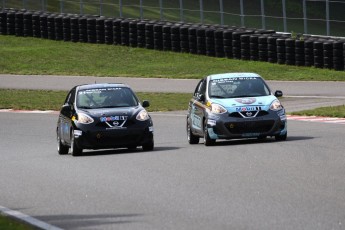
(232, 106)
(101, 116)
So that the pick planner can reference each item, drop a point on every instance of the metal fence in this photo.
(319, 17)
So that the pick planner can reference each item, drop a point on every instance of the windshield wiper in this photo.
(85, 107)
(217, 96)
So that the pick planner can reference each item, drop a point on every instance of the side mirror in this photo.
(278, 93)
(146, 104)
(201, 97)
(66, 109)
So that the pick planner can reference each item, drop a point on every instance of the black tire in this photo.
(75, 150)
(148, 146)
(61, 148)
(207, 140)
(281, 137)
(192, 139)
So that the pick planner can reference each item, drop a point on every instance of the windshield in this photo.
(237, 87)
(111, 97)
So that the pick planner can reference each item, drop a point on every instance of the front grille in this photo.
(110, 124)
(249, 127)
(259, 113)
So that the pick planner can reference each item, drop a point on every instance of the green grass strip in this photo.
(53, 100)
(19, 55)
(10, 224)
(331, 111)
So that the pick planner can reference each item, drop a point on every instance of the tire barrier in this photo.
(3, 23)
(192, 38)
(124, 25)
(227, 42)
(117, 31)
(290, 51)
(51, 26)
(36, 30)
(74, 28)
(328, 54)
(254, 47)
(175, 37)
(82, 29)
(108, 32)
(272, 49)
(338, 55)
(201, 40)
(100, 34)
(318, 53)
(219, 42)
(158, 36)
(166, 36)
(184, 39)
(309, 52)
(149, 35)
(263, 47)
(28, 32)
(245, 46)
(44, 26)
(211, 40)
(299, 53)
(58, 26)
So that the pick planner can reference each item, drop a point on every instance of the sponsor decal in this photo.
(246, 101)
(248, 108)
(113, 118)
(196, 121)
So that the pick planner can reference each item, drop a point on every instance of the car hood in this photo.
(245, 103)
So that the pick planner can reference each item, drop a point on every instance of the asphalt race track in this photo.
(296, 184)
(247, 184)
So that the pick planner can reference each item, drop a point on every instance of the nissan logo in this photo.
(116, 123)
(249, 114)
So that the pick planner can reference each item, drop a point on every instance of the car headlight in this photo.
(84, 119)
(216, 108)
(276, 105)
(143, 115)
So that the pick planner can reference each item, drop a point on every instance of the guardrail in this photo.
(203, 39)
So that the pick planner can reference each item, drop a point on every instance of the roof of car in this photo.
(232, 75)
(101, 85)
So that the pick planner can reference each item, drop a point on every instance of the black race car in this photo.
(232, 106)
(102, 116)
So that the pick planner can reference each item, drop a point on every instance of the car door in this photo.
(65, 117)
(197, 107)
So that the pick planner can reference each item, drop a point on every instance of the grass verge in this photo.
(19, 55)
(52, 100)
(10, 224)
(330, 111)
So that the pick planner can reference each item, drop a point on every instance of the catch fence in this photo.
(318, 17)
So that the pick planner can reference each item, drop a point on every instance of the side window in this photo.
(200, 89)
(70, 97)
(197, 88)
